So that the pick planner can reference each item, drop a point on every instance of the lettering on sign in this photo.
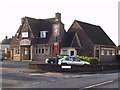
(25, 42)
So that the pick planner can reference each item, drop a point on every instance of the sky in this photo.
(98, 12)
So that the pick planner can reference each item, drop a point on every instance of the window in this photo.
(118, 52)
(64, 52)
(25, 51)
(108, 52)
(102, 52)
(24, 34)
(36, 50)
(39, 50)
(113, 52)
(42, 51)
(43, 34)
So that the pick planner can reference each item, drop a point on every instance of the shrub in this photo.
(91, 60)
(5, 55)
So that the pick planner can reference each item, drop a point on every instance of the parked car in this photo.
(54, 60)
(72, 61)
(1, 57)
(51, 60)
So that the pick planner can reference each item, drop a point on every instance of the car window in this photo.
(68, 58)
(74, 58)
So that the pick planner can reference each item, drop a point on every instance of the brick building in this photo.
(88, 40)
(37, 39)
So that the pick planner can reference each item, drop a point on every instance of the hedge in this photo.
(91, 60)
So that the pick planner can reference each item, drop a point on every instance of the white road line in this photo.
(91, 86)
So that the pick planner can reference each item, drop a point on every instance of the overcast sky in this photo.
(98, 12)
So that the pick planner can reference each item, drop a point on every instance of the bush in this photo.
(5, 55)
(91, 60)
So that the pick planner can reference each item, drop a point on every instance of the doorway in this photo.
(71, 53)
(25, 53)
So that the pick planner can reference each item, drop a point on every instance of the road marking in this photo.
(91, 86)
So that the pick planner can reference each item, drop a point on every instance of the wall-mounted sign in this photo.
(56, 29)
(25, 42)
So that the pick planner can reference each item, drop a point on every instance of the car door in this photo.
(67, 60)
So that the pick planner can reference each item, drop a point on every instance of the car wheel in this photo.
(51, 62)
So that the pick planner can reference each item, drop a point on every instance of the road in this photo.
(17, 75)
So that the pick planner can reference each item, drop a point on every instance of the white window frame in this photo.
(43, 34)
(25, 51)
(24, 34)
(65, 52)
(113, 52)
(102, 52)
(38, 50)
(118, 52)
(108, 52)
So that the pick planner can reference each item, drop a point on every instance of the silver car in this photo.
(72, 61)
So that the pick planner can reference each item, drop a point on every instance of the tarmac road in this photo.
(17, 75)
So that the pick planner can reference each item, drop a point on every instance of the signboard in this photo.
(56, 30)
(25, 42)
(56, 48)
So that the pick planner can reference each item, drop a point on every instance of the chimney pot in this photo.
(58, 16)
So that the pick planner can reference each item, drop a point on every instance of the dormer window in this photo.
(43, 34)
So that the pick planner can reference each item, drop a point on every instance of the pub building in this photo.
(37, 39)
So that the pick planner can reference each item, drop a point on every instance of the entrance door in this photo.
(25, 53)
(71, 53)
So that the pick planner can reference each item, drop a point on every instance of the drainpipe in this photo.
(99, 53)
(31, 51)
(94, 51)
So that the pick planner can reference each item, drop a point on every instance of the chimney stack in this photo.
(58, 16)
(6, 37)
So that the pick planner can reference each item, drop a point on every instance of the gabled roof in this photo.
(38, 25)
(67, 39)
(8, 41)
(14, 41)
(96, 34)
(70, 40)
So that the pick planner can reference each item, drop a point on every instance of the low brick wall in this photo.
(74, 68)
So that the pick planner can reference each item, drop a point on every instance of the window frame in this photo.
(24, 34)
(43, 34)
